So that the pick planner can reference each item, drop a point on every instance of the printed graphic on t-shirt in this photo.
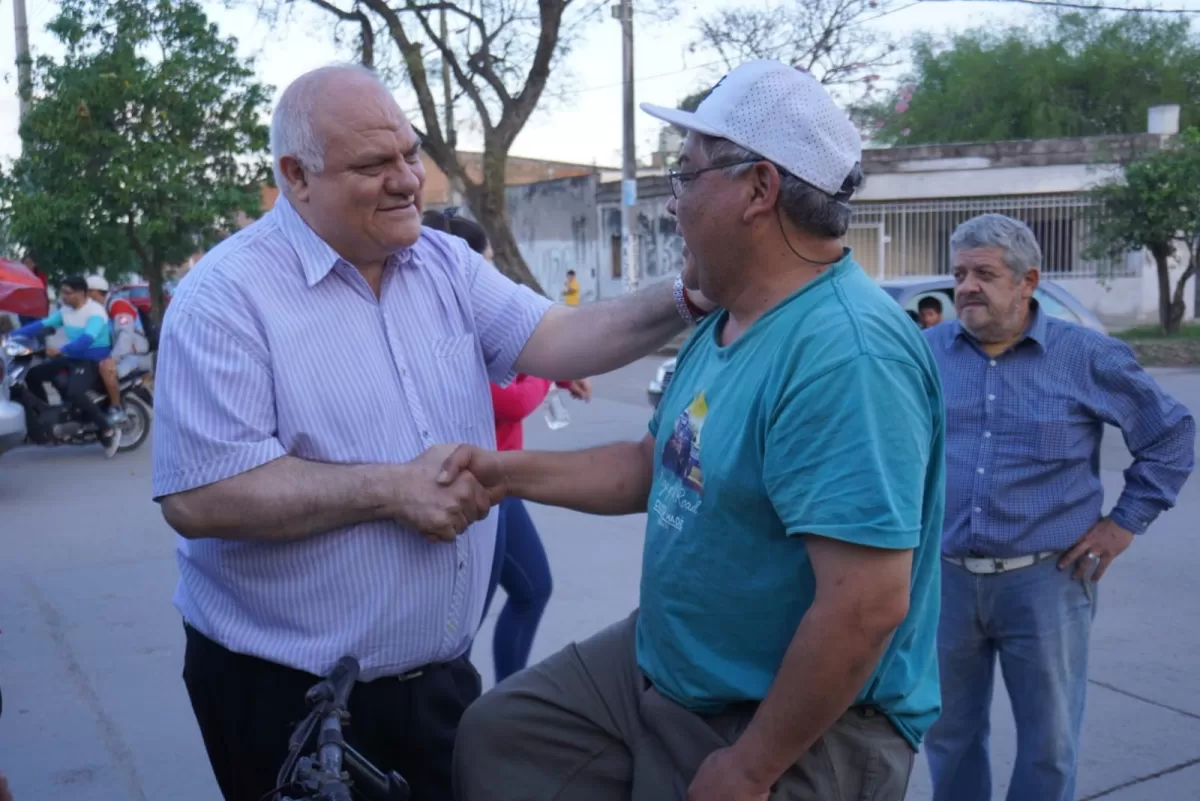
(681, 454)
(677, 501)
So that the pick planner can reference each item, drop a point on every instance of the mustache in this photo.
(963, 300)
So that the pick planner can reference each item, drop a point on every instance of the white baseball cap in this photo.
(97, 282)
(782, 114)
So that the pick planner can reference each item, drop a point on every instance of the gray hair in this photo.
(292, 130)
(1021, 249)
(806, 206)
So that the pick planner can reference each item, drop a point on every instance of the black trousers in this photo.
(81, 376)
(247, 707)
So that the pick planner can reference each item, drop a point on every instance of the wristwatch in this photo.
(689, 311)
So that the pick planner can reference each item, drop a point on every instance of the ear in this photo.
(296, 177)
(763, 186)
(1030, 282)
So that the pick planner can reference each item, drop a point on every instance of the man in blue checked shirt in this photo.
(1025, 542)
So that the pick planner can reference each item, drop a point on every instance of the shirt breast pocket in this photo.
(461, 383)
(1052, 441)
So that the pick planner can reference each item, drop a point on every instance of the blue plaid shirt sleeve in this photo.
(1158, 430)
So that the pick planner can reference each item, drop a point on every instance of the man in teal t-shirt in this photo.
(793, 482)
(823, 418)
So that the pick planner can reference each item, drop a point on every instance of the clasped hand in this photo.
(452, 487)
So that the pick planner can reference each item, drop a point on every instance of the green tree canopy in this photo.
(141, 146)
(1156, 206)
(1074, 74)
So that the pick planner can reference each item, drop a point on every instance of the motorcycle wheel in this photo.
(136, 427)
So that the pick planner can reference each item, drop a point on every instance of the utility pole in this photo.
(630, 264)
(24, 64)
(448, 105)
(447, 89)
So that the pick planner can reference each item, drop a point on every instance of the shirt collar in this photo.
(317, 258)
(1035, 330)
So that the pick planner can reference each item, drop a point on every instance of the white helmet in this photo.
(97, 283)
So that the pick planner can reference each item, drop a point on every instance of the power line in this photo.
(1082, 6)
(564, 94)
(889, 12)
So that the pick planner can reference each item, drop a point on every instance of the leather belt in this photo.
(986, 565)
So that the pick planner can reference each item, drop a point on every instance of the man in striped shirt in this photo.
(300, 471)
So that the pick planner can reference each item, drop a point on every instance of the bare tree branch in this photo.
(827, 38)
(499, 55)
(415, 64)
(550, 14)
(367, 33)
(478, 62)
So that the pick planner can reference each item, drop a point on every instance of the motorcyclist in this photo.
(89, 342)
(130, 347)
(98, 291)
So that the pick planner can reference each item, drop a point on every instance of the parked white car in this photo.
(12, 415)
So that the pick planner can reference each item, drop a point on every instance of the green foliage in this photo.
(1156, 206)
(693, 101)
(9, 247)
(141, 146)
(1075, 74)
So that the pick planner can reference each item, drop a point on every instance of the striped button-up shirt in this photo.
(275, 345)
(1023, 433)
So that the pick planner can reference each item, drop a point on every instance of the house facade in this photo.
(911, 202)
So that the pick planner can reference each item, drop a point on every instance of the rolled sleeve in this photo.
(847, 454)
(506, 314)
(214, 406)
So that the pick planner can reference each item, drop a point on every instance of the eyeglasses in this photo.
(681, 179)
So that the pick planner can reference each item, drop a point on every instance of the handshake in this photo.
(447, 488)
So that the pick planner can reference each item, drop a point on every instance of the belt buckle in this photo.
(412, 674)
(998, 566)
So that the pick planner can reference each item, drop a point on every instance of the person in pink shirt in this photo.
(520, 566)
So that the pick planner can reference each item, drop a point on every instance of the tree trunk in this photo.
(1178, 307)
(152, 269)
(154, 275)
(1162, 254)
(490, 207)
(1196, 283)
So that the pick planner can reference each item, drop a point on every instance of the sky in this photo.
(579, 119)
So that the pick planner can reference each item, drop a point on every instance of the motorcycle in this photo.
(51, 424)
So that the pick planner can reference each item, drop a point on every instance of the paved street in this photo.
(91, 648)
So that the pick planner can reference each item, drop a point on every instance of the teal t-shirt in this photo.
(825, 417)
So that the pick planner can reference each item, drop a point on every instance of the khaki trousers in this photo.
(586, 725)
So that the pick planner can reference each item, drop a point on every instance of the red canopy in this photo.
(22, 292)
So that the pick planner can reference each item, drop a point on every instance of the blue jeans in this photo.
(521, 568)
(1038, 619)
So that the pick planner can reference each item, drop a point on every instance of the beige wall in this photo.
(521, 171)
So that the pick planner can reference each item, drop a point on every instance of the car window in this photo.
(945, 296)
(1052, 307)
(1048, 302)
